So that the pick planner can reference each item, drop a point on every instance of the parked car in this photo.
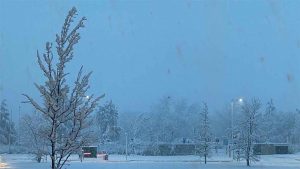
(103, 155)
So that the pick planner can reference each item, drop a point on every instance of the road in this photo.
(143, 162)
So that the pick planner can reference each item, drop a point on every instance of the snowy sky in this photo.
(140, 51)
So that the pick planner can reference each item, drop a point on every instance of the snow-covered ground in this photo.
(24, 161)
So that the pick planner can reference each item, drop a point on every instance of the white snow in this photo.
(25, 161)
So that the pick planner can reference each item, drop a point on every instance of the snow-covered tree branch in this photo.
(66, 110)
(248, 129)
(205, 134)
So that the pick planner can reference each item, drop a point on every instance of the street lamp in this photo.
(19, 127)
(233, 101)
(10, 134)
(2, 163)
(126, 149)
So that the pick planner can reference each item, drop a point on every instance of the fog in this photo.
(139, 52)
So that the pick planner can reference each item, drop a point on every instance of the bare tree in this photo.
(136, 130)
(249, 129)
(65, 110)
(268, 119)
(34, 134)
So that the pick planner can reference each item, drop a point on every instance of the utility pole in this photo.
(233, 101)
(231, 147)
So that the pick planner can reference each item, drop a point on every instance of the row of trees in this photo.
(170, 120)
(273, 125)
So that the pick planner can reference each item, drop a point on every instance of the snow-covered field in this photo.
(24, 161)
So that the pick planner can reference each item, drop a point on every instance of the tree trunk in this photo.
(53, 145)
(248, 162)
(204, 159)
(53, 156)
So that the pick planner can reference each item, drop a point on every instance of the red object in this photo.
(87, 154)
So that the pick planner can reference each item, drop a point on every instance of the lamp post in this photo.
(19, 126)
(233, 101)
(126, 145)
(9, 134)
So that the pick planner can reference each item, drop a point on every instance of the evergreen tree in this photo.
(7, 127)
(107, 122)
(205, 134)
